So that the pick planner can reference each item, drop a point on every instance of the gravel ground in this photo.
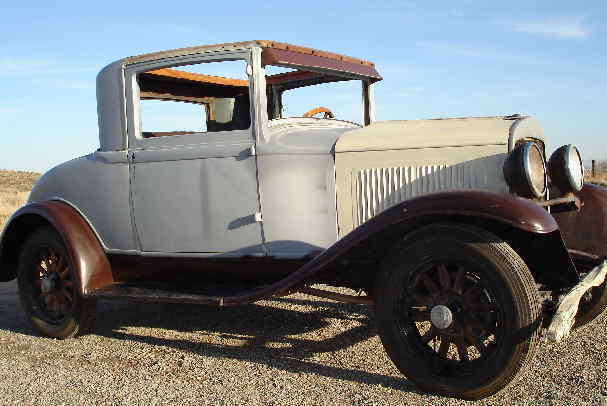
(287, 351)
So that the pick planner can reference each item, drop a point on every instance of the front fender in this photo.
(586, 230)
(517, 212)
(526, 226)
(87, 254)
(529, 228)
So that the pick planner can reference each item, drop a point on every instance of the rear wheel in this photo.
(48, 288)
(457, 311)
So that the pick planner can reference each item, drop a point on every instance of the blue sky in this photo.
(438, 59)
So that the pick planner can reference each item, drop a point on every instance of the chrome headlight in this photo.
(566, 169)
(525, 171)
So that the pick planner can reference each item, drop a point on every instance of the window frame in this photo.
(367, 93)
(135, 140)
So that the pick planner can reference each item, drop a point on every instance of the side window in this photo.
(166, 117)
(194, 99)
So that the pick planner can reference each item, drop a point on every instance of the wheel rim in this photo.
(51, 287)
(453, 317)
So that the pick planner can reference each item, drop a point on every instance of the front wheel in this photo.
(48, 288)
(457, 311)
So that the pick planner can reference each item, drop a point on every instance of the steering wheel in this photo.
(313, 112)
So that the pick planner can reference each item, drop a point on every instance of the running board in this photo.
(154, 294)
(171, 294)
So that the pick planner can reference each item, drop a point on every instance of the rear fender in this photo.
(88, 257)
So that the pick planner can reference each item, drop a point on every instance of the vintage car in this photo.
(461, 232)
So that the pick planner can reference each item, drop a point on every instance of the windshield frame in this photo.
(278, 84)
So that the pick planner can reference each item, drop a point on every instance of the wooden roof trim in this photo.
(312, 51)
(173, 97)
(198, 77)
(298, 60)
(219, 80)
(291, 76)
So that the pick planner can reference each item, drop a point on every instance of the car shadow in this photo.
(265, 334)
(12, 317)
(271, 333)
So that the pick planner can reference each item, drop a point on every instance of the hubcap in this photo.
(441, 317)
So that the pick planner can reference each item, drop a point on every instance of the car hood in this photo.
(456, 132)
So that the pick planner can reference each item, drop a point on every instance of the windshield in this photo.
(301, 93)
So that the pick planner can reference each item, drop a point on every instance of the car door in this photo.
(194, 191)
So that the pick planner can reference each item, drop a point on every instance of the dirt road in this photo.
(288, 351)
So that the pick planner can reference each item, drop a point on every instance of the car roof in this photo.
(278, 53)
(243, 45)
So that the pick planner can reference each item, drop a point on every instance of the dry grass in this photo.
(15, 188)
(601, 176)
(599, 180)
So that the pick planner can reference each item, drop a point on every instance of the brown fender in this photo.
(586, 230)
(87, 254)
(528, 227)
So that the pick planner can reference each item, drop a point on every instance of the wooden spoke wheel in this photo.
(456, 316)
(55, 286)
(327, 112)
(457, 311)
(48, 288)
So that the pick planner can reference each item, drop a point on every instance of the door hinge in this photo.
(258, 217)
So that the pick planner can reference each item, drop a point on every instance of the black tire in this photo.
(48, 288)
(593, 307)
(490, 295)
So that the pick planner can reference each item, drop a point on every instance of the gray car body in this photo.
(269, 190)
(266, 191)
